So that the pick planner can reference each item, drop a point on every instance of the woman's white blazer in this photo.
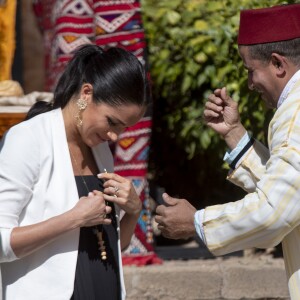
(37, 183)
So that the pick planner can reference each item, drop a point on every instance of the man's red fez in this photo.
(266, 25)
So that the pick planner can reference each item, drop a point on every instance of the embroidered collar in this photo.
(288, 88)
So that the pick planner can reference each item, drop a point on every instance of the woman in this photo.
(54, 246)
(114, 23)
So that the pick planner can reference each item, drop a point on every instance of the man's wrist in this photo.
(198, 219)
(233, 137)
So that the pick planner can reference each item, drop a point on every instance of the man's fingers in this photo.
(214, 98)
(226, 98)
(160, 210)
(217, 92)
(170, 200)
(159, 220)
(215, 105)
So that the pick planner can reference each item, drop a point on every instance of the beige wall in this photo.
(33, 56)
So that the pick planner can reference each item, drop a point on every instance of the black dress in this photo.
(96, 279)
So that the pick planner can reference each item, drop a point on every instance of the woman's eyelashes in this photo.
(117, 126)
(111, 122)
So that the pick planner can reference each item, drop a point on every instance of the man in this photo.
(269, 45)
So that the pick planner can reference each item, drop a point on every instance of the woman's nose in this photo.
(112, 136)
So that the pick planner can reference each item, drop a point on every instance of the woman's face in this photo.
(102, 122)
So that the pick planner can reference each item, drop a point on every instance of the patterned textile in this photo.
(68, 24)
(131, 161)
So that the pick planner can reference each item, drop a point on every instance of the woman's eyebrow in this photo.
(116, 120)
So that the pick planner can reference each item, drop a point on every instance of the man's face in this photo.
(261, 77)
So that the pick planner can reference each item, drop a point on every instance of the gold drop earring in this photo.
(81, 104)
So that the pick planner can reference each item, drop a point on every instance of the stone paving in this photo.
(259, 277)
(217, 279)
(189, 272)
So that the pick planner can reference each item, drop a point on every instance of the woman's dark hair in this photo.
(116, 75)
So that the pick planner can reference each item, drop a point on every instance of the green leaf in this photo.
(200, 57)
(200, 25)
(200, 39)
(187, 81)
(173, 17)
(205, 139)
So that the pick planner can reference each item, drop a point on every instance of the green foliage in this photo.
(192, 51)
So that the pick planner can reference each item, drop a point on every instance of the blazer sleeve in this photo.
(19, 171)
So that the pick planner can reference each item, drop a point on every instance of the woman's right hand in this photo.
(91, 210)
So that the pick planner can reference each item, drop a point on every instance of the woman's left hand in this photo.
(121, 191)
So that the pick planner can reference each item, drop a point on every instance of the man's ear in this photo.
(279, 62)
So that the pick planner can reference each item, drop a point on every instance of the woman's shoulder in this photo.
(32, 129)
(37, 123)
